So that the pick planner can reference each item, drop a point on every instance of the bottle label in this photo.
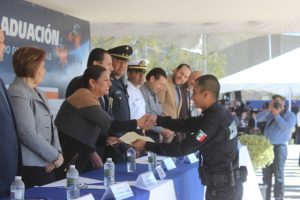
(150, 159)
(130, 158)
(72, 181)
(107, 173)
(17, 194)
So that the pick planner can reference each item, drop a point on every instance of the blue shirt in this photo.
(278, 128)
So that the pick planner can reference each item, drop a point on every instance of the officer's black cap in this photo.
(121, 52)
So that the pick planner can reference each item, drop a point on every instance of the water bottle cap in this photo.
(18, 178)
(109, 159)
(72, 166)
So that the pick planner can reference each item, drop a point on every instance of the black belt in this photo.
(279, 145)
(221, 179)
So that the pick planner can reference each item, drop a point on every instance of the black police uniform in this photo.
(215, 136)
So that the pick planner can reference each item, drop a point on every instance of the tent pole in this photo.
(270, 46)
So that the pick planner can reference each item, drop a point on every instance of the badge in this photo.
(200, 136)
(232, 130)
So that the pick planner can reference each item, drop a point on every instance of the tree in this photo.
(165, 52)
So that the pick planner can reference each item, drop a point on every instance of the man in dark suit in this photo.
(10, 154)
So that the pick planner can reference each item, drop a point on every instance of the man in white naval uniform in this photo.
(135, 72)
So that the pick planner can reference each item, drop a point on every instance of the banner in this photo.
(65, 38)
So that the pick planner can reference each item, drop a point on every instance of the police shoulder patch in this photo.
(200, 135)
(232, 130)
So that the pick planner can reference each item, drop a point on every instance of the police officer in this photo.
(118, 90)
(118, 97)
(214, 135)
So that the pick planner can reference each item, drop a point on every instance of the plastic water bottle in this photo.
(109, 173)
(151, 161)
(17, 189)
(73, 190)
(131, 165)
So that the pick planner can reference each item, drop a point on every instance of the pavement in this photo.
(291, 174)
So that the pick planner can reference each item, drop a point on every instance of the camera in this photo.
(276, 105)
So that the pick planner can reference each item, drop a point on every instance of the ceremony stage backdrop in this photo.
(65, 38)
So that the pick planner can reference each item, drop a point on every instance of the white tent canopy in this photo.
(177, 17)
(280, 75)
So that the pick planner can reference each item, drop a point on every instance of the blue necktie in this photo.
(3, 94)
(178, 95)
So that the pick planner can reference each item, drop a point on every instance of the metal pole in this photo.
(270, 46)
(204, 54)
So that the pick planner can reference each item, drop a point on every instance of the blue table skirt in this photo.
(185, 177)
(186, 181)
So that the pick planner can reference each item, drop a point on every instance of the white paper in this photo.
(192, 158)
(118, 191)
(146, 180)
(82, 180)
(161, 172)
(94, 187)
(121, 190)
(86, 197)
(169, 163)
(133, 136)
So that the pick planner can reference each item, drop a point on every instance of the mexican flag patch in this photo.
(200, 136)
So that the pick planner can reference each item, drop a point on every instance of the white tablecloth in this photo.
(251, 188)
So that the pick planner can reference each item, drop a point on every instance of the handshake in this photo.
(147, 121)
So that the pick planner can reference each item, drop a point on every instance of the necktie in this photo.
(188, 99)
(2, 94)
(178, 96)
(102, 102)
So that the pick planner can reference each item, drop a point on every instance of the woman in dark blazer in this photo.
(41, 151)
(80, 119)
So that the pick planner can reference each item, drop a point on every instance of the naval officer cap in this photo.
(121, 52)
(138, 65)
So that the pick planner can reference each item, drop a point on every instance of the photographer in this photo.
(279, 124)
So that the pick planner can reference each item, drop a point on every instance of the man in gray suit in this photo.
(156, 80)
(10, 155)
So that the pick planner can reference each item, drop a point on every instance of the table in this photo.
(181, 183)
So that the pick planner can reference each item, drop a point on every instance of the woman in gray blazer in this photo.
(41, 151)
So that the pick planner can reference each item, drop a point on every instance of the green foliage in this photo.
(260, 149)
(163, 52)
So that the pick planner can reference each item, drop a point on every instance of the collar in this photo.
(130, 83)
(148, 87)
(211, 108)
